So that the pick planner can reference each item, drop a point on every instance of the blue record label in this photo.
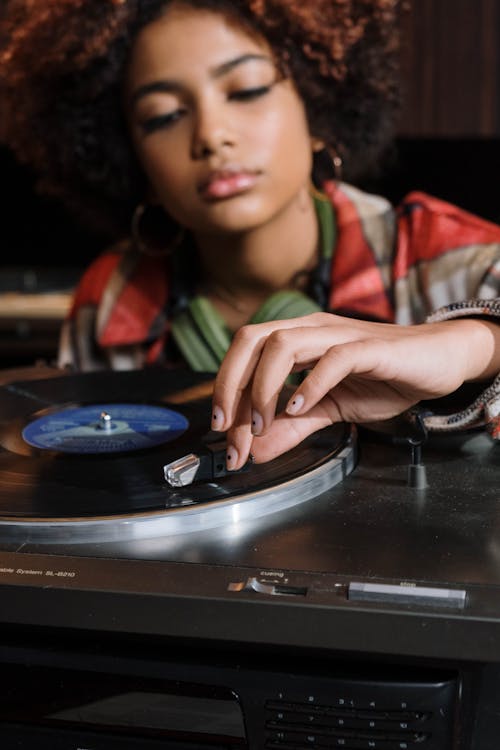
(105, 428)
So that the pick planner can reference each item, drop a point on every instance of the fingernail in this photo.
(257, 423)
(217, 418)
(295, 404)
(231, 457)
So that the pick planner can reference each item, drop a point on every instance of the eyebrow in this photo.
(168, 86)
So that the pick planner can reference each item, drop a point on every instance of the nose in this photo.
(211, 132)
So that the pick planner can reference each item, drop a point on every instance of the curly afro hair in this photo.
(61, 69)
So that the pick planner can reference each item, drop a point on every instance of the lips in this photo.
(226, 183)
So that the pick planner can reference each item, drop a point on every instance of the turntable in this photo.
(346, 594)
(77, 469)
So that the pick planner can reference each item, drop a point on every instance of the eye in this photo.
(245, 95)
(161, 121)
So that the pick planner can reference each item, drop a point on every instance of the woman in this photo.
(208, 122)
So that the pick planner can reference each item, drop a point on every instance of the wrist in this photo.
(480, 340)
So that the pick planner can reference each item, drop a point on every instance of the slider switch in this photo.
(264, 587)
(406, 594)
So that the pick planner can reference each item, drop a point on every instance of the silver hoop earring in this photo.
(153, 232)
(337, 165)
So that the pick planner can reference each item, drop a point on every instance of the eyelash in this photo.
(166, 121)
(162, 121)
(249, 94)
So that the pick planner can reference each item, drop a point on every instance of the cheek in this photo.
(171, 181)
(164, 167)
(284, 128)
(287, 142)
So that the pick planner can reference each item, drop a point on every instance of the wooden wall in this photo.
(451, 63)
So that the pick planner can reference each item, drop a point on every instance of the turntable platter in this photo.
(82, 457)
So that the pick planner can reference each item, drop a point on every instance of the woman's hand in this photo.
(359, 371)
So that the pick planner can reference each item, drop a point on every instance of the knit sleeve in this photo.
(447, 266)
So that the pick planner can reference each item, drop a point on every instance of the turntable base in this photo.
(314, 517)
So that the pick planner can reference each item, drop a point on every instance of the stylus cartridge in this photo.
(205, 466)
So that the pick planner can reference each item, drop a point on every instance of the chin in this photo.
(241, 213)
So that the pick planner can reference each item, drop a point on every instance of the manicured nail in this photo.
(295, 404)
(217, 418)
(231, 457)
(257, 423)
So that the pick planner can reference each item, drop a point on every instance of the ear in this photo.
(317, 144)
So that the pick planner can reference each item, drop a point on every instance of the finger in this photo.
(239, 436)
(235, 374)
(286, 432)
(239, 364)
(284, 351)
(337, 363)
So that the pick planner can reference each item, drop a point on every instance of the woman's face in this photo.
(222, 138)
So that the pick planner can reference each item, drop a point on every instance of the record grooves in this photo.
(43, 487)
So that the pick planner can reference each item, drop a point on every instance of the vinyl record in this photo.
(60, 460)
(104, 428)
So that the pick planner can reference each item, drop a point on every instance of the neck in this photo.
(242, 270)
